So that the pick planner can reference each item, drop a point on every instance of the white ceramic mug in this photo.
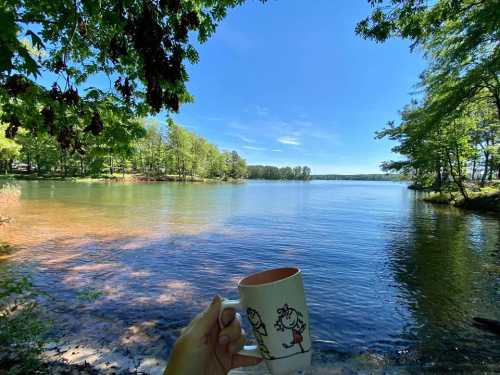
(275, 305)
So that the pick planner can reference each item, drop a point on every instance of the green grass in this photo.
(487, 199)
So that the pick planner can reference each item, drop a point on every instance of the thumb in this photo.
(210, 316)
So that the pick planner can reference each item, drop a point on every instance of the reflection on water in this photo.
(385, 274)
(443, 267)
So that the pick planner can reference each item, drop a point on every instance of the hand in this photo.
(204, 349)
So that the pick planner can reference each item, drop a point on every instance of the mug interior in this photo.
(269, 276)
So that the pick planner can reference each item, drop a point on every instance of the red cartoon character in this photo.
(291, 319)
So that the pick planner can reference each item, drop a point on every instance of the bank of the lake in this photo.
(127, 177)
(479, 199)
(393, 283)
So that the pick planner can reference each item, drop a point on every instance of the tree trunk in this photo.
(111, 169)
(486, 165)
(497, 103)
(28, 155)
(457, 179)
(82, 168)
(439, 178)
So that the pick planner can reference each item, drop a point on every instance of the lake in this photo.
(392, 282)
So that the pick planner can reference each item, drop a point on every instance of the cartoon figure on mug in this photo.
(259, 329)
(291, 319)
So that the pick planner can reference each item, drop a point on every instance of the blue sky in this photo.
(289, 83)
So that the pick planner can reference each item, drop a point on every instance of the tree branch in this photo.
(66, 48)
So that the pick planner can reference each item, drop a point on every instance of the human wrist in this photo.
(177, 362)
(183, 358)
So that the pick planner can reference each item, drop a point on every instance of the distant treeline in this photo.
(268, 172)
(360, 177)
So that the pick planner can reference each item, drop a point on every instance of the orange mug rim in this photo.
(269, 277)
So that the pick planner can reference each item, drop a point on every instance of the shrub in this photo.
(21, 329)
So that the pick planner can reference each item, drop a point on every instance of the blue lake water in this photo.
(388, 277)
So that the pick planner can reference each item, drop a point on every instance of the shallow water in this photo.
(391, 282)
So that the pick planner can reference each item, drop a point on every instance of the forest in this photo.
(360, 177)
(268, 172)
(150, 150)
(449, 135)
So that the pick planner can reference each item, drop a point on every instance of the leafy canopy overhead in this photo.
(459, 37)
(451, 132)
(141, 46)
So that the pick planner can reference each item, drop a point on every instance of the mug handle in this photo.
(248, 350)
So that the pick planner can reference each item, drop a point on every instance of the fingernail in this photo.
(223, 339)
(215, 299)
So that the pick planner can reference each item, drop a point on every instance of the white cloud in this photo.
(276, 150)
(254, 148)
(289, 140)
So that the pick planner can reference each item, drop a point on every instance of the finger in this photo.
(244, 361)
(206, 320)
(231, 332)
(228, 316)
(237, 345)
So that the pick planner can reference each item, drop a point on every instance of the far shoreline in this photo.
(138, 178)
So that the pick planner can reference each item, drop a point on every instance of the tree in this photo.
(199, 150)
(268, 172)
(180, 145)
(439, 154)
(216, 166)
(9, 150)
(235, 165)
(297, 172)
(39, 152)
(143, 147)
(306, 173)
(451, 128)
(459, 36)
(140, 45)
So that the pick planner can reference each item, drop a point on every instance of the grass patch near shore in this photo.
(487, 199)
